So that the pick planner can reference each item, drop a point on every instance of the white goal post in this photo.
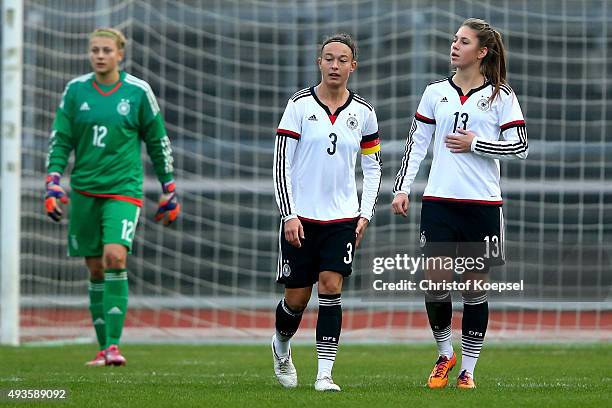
(10, 170)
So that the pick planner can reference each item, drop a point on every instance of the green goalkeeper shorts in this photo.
(97, 221)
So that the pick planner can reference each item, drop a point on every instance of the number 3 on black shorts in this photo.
(349, 253)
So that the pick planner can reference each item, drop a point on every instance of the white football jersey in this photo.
(471, 177)
(315, 155)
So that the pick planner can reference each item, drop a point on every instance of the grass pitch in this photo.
(370, 376)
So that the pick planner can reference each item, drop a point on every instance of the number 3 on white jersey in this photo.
(99, 133)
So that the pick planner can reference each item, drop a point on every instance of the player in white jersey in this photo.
(476, 120)
(321, 133)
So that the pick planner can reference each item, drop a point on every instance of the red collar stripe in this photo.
(117, 85)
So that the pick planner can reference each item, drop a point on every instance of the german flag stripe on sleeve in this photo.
(424, 119)
(373, 146)
(369, 138)
(288, 133)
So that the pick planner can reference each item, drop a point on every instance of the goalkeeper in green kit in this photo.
(103, 117)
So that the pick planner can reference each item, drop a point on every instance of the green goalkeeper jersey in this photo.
(105, 125)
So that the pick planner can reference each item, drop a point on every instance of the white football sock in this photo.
(281, 344)
(325, 368)
(468, 364)
(444, 341)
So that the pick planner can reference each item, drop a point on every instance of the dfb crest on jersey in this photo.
(352, 123)
(483, 104)
(286, 270)
(123, 108)
(423, 239)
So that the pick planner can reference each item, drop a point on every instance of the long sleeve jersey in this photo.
(105, 127)
(315, 155)
(467, 177)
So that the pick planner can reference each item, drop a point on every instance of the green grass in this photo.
(370, 376)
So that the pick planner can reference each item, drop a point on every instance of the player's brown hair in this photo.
(343, 38)
(493, 65)
(108, 32)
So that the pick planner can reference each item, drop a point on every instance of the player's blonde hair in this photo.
(493, 65)
(109, 32)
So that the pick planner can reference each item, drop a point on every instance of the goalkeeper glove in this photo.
(54, 193)
(169, 207)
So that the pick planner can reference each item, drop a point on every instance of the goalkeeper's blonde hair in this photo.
(109, 32)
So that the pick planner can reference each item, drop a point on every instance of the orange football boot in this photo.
(465, 380)
(439, 375)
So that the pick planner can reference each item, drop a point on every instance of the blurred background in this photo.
(223, 72)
